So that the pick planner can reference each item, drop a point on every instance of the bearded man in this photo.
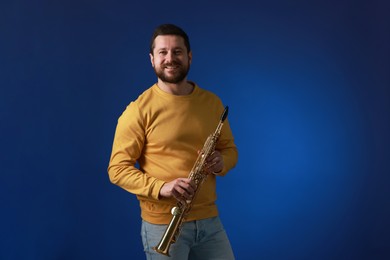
(161, 132)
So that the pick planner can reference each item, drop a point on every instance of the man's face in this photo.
(170, 59)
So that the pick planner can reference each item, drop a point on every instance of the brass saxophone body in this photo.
(197, 175)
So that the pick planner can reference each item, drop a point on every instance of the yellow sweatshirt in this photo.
(163, 134)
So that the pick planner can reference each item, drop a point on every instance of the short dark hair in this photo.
(170, 29)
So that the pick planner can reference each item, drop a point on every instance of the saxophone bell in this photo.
(171, 233)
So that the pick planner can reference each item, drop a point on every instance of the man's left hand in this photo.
(214, 163)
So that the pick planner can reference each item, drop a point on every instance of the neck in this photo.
(180, 89)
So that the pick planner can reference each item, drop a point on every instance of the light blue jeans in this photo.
(201, 239)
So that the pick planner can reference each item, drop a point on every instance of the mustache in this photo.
(173, 63)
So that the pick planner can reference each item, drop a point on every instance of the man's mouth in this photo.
(171, 67)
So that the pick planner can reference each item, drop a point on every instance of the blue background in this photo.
(308, 87)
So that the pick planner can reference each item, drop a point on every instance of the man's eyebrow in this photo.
(165, 48)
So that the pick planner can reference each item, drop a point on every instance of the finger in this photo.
(216, 155)
(188, 185)
(213, 161)
(184, 190)
(178, 196)
(214, 167)
(211, 157)
(210, 165)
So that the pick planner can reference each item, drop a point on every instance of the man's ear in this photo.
(190, 57)
(151, 59)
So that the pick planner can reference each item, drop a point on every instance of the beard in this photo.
(179, 75)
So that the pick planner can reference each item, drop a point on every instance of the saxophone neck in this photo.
(221, 121)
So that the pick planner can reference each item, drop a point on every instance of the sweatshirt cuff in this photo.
(155, 192)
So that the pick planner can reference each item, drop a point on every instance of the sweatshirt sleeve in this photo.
(127, 147)
(227, 148)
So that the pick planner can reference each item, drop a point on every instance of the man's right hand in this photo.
(181, 189)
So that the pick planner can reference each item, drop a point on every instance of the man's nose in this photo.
(169, 56)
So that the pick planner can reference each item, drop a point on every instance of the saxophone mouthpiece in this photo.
(224, 114)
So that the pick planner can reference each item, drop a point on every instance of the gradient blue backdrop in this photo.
(308, 87)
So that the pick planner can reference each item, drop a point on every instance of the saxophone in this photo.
(197, 175)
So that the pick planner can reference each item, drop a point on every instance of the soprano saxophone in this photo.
(197, 175)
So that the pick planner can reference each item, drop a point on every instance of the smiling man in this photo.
(171, 61)
(163, 130)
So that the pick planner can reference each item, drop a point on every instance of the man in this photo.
(163, 130)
